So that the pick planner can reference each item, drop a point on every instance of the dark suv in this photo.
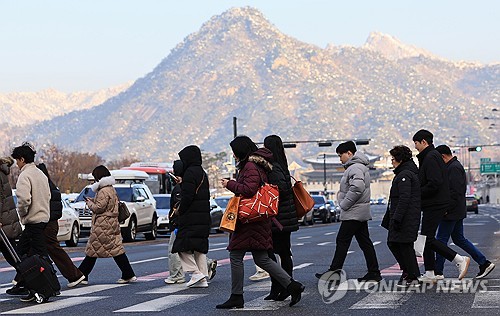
(321, 209)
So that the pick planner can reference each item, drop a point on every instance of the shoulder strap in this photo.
(202, 179)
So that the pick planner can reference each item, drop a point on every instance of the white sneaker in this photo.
(75, 283)
(203, 283)
(259, 275)
(124, 281)
(463, 267)
(439, 277)
(195, 278)
(175, 281)
(424, 278)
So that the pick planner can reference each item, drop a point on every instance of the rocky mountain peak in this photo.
(392, 48)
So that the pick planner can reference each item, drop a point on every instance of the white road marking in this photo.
(376, 243)
(84, 290)
(325, 243)
(304, 237)
(474, 243)
(56, 305)
(219, 244)
(259, 304)
(149, 260)
(159, 304)
(303, 265)
(167, 289)
(217, 249)
(490, 299)
(376, 300)
(299, 244)
(350, 251)
(473, 224)
(330, 233)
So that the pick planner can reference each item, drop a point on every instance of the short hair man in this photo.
(435, 195)
(453, 221)
(354, 202)
(33, 199)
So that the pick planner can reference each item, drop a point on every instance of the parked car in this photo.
(472, 204)
(162, 210)
(69, 224)
(222, 201)
(132, 190)
(215, 214)
(381, 201)
(335, 214)
(321, 209)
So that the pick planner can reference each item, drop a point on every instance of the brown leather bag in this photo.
(230, 216)
(303, 200)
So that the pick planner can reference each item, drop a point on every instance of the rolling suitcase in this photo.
(37, 272)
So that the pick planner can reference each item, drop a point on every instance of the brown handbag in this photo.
(230, 216)
(303, 200)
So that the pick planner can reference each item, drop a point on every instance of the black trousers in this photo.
(405, 256)
(347, 230)
(430, 223)
(282, 247)
(121, 261)
(32, 241)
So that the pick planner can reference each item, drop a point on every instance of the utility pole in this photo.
(235, 128)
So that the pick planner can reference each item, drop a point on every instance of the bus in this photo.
(159, 180)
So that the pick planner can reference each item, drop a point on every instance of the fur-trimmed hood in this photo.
(106, 181)
(262, 157)
(5, 164)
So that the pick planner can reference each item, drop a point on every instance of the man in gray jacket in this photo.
(33, 198)
(354, 203)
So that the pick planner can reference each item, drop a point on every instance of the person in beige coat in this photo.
(105, 239)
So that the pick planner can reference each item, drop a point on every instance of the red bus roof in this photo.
(151, 170)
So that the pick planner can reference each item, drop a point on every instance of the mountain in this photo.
(240, 65)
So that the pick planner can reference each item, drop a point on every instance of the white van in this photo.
(132, 190)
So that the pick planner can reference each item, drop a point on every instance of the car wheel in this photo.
(311, 222)
(154, 230)
(129, 233)
(73, 241)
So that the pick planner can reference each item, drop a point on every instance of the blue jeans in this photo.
(455, 229)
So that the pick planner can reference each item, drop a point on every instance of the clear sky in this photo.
(74, 45)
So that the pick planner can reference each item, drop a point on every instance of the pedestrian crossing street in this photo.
(177, 294)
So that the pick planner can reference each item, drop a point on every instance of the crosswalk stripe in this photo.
(325, 243)
(4, 299)
(303, 265)
(490, 299)
(376, 243)
(217, 249)
(167, 289)
(330, 233)
(160, 304)
(84, 290)
(390, 300)
(259, 304)
(56, 305)
(305, 237)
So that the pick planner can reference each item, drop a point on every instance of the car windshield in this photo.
(222, 201)
(124, 194)
(162, 202)
(319, 200)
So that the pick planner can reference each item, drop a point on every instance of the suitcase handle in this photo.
(9, 246)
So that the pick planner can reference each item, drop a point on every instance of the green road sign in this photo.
(490, 168)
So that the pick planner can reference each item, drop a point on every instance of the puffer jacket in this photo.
(193, 221)
(8, 213)
(105, 239)
(354, 192)
(457, 179)
(404, 203)
(256, 235)
(287, 215)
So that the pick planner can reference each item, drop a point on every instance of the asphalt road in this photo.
(313, 248)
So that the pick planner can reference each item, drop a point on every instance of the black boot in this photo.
(235, 301)
(295, 289)
(276, 289)
(283, 295)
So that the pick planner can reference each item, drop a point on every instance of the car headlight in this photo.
(322, 207)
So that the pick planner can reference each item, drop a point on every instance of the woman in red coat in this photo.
(256, 237)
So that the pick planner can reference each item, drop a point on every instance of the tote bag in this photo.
(303, 200)
(228, 221)
(263, 205)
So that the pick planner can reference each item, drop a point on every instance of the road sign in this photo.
(483, 160)
(490, 168)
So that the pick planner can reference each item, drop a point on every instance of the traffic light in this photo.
(289, 145)
(477, 148)
(362, 142)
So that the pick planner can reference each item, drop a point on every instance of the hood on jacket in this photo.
(5, 164)
(262, 157)
(104, 182)
(190, 156)
(407, 165)
(178, 167)
(358, 157)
